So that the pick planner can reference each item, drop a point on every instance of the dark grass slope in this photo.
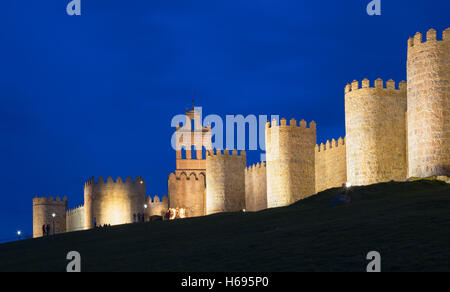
(408, 223)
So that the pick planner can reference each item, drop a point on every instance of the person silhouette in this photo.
(48, 229)
(44, 231)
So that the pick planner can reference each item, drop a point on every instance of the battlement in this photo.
(226, 153)
(157, 200)
(292, 123)
(378, 84)
(256, 166)
(49, 201)
(330, 145)
(75, 210)
(110, 180)
(431, 36)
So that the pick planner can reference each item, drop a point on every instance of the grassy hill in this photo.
(408, 223)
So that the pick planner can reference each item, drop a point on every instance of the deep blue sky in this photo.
(94, 95)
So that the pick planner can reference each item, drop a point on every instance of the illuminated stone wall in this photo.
(156, 207)
(429, 104)
(43, 208)
(256, 187)
(290, 162)
(375, 122)
(331, 165)
(75, 219)
(113, 202)
(188, 192)
(225, 181)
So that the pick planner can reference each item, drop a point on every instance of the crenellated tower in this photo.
(429, 105)
(113, 202)
(376, 132)
(225, 182)
(290, 161)
(187, 186)
(43, 210)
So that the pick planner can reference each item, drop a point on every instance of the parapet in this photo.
(330, 145)
(378, 84)
(292, 123)
(226, 153)
(157, 200)
(259, 165)
(49, 201)
(75, 210)
(110, 180)
(431, 36)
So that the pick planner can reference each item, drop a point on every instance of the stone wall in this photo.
(156, 206)
(188, 192)
(290, 162)
(331, 165)
(75, 219)
(225, 181)
(256, 187)
(376, 132)
(429, 105)
(113, 202)
(43, 208)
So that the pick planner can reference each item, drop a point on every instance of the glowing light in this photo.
(348, 185)
(145, 206)
(53, 215)
(173, 213)
(243, 210)
(19, 232)
(182, 213)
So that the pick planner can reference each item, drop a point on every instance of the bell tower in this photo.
(192, 142)
(187, 185)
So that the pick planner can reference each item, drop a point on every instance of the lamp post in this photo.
(53, 218)
(18, 234)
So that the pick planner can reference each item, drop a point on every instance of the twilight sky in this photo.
(94, 95)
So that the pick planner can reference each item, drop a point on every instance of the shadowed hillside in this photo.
(408, 223)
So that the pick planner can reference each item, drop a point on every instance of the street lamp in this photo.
(53, 217)
(145, 207)
(19, 233)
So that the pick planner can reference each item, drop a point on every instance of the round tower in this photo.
(187, 192)
(43, 211)
(429, 105)
(290, 153)
(376, 132)
(225, 181)
(112, 202)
